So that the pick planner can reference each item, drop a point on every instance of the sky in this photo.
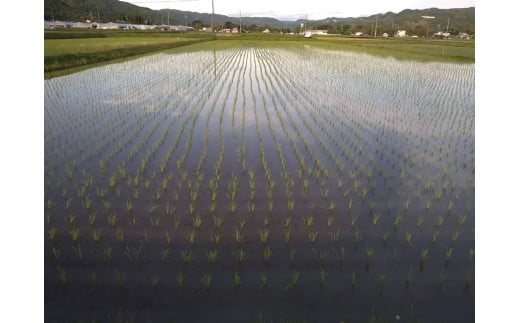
(296, 9)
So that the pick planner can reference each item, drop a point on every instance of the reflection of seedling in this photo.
(120, 235)
(292, 253)
(370, 254)
(353, 279)
(267, 254)
(155, 281)
(420, 221)
(455, 235)
(263, 279)
(357, 238)
(409, 277)
(409, 238)
(334, 236)
(449, 254)
(323, 277)
(180, 280)
(424, 256)
(381, 284)
(206, 282)
(78, 250)
(165, 253)
(353, 221)
(236, 280)
(385, 237)
(121, 279)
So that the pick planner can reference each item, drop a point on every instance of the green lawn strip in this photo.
(61, 64)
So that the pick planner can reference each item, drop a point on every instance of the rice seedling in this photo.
(239, 236)
(217, 222)
(215, 238)
(439, 221)
(264, 235)
(197, 222)
(186, 257)
(63, 276)
(241, 256)
(353, 280)
(51, 233)
(96, 235)
(212, 256)
(334, 236)
(191, 236)
(312, 236)
(70, 218)
(397, 220)
(307, 221)
(293, 283)
(120, 235)
(74, 234)
(112, 219)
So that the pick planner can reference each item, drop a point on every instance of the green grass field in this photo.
(70, 51)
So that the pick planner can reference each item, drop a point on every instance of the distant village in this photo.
(163, 27)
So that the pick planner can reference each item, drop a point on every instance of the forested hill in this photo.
(460, 20)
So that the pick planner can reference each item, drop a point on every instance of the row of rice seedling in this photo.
(250, 169)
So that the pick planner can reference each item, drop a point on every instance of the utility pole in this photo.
(97, 8)
(168, 17)
(448, 26)
(375, 30)
(240, 21)
(212, 17)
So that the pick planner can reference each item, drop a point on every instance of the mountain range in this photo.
(417, 22)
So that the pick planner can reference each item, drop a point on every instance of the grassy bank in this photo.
(67, 52)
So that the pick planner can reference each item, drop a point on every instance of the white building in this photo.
(400, 33)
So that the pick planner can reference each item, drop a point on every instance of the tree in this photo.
(197, 24)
